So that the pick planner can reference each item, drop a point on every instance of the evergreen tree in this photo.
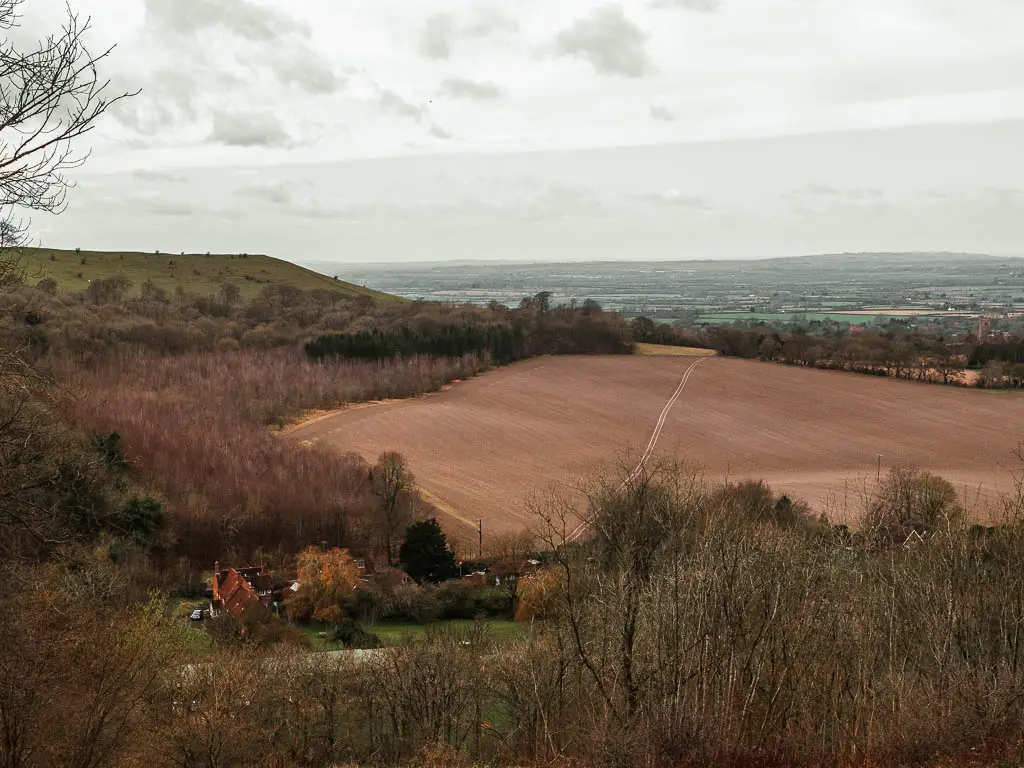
(425, 554)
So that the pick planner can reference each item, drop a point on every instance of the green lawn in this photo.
(317, 643)
(395, 632)
(390, 632)
(196, 640)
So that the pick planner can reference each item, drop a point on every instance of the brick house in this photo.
(236, 590)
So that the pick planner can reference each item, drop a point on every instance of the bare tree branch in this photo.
(50, 96)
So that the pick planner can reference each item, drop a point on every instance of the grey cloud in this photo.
(243, 18)
(673, 198)
(308, 71)
(609, 40)
(438, 35)
(176, 86)
(562, 202)
(555, 202)
(701, 6)
(278, 193)
(491, 21)
(661, 113)
(320, 211)
(439, 132)
(148, 201)
(291, 198)
(249, 130)
(820, 191)
(142, 116)
(294, 65)
(171, 94)
(144, 174)
(464, 88)
(983, 194)
(812, 193)
(820, 197)
(442, 30)
(168, 207)
(1005, 194)
(392, 102)
(201, 64)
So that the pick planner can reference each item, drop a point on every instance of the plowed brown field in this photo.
(483, 447)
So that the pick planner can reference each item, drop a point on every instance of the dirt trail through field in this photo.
(652, 444)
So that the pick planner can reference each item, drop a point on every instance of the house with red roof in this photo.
(235, 590)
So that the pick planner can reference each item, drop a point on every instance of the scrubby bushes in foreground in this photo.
(690, 631)
(697, 626)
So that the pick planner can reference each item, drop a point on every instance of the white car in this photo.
(196, 615)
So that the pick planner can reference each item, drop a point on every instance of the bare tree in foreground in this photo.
(50, 96)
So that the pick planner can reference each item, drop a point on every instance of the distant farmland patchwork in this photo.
(485, 446)
(862, 317)
(785, 317)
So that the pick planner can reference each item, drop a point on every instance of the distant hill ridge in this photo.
(196, 273)
(905, 257)
(895, 257)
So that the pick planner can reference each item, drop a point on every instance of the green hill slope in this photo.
(196, 273)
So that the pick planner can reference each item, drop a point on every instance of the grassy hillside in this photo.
(197, 273)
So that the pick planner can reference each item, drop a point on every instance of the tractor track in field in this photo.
(652, 444)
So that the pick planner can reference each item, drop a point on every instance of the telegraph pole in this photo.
(878, 471)
(480, 537)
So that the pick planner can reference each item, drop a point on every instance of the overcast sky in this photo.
(389, 130)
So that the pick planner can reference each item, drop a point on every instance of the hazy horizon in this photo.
(312, 263)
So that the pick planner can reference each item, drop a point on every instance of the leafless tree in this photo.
(426, 694)
(391, 480)
(50, 96)
(910, 501)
